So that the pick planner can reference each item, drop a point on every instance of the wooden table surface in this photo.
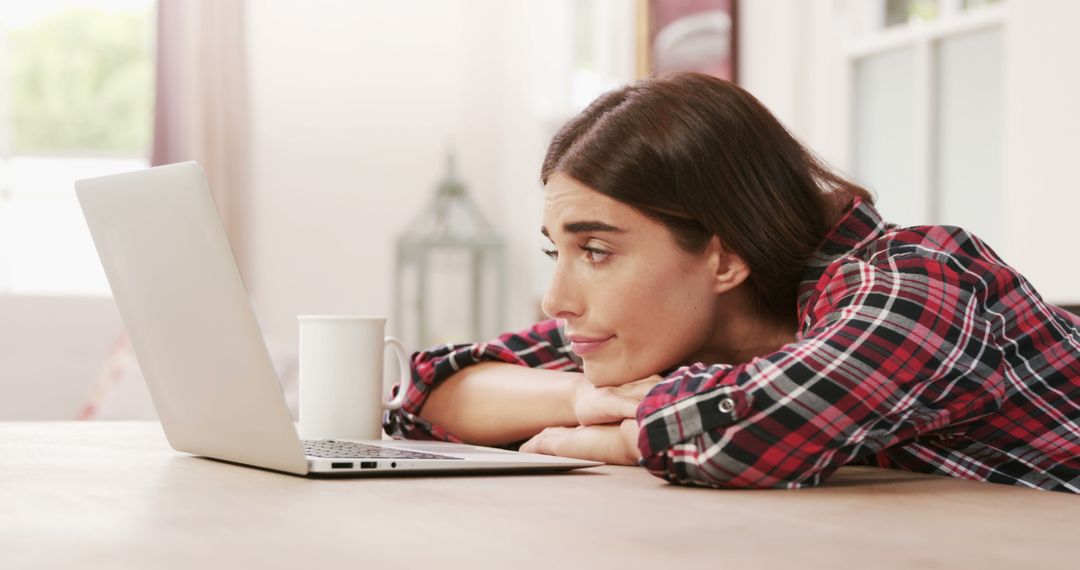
(95, 495)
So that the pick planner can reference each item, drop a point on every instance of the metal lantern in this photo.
(449, 279)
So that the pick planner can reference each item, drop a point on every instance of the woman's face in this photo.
(633, 302)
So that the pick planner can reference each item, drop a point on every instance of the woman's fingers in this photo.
(611, 443)
(638, 389)
(534, 444)
(642, 387)
(544, 442)
(602, 405)
(646, 384)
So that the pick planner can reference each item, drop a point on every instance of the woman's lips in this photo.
(582, 345)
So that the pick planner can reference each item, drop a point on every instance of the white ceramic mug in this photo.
(341, 376)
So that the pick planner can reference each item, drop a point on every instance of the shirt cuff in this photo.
(671, 423)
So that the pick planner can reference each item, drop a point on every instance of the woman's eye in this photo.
(592, 254)
(595, 255)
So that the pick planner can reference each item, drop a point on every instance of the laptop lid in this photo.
(192, 327)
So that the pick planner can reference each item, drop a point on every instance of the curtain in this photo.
(201, 109)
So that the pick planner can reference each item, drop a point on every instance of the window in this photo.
(602, 48)
(904, 12)
(76, 101)
(926, 82)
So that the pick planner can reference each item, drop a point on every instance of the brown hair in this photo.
(704, 157)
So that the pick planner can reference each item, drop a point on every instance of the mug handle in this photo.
(404, 370)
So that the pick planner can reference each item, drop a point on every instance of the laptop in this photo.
(194, 333)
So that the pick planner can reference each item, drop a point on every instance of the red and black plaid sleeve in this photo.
(919, 350)
(540, 346)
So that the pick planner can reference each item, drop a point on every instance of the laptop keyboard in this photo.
(333, 449)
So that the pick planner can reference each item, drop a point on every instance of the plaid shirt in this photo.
(918, 348)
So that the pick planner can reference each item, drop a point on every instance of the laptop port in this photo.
(341, 465)
(367, 464)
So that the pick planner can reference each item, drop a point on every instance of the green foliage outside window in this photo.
(82, 80)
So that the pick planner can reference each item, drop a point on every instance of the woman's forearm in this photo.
(495, 403)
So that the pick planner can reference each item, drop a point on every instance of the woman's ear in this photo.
(729, 268)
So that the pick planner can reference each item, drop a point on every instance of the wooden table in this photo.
(92, 495)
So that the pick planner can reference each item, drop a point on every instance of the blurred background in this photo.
(382, 158)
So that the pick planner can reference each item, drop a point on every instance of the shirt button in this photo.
(726, 405)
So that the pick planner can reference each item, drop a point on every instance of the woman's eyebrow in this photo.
(585, 226)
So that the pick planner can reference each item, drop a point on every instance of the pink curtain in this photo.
(201, 110)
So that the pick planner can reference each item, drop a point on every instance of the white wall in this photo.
(1042, 145)
(353, 107)
(787, 53)
(52, 350)
(773, 59)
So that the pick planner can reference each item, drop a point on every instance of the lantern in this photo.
(449, 278)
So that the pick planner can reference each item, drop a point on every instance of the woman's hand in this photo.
(609, 404)
(608, 430)
(611, 443)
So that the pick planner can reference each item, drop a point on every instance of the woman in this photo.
(728, 312)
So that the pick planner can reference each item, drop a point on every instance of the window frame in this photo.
(923, 38)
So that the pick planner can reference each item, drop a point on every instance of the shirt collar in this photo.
(860, 225)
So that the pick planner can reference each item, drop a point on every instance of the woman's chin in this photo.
(603, 376)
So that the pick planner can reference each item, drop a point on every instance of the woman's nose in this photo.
(562, 299)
